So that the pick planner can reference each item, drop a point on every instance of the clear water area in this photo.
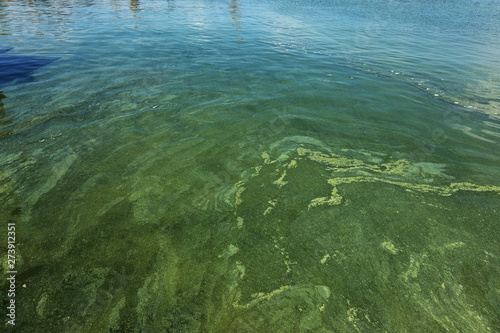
(277, 166)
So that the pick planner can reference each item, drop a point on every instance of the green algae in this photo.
(292, 185)
(172, 202)
(394, 172)
(303, 240)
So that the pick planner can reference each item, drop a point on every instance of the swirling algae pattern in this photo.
(338, 171)
(390, 173)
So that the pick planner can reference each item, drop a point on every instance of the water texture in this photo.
(257, 166)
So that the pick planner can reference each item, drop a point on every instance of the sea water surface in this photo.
(251, 166)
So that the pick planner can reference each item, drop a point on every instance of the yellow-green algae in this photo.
(281, 182)
(260, 296)
(389, 246)
(241, 188)
(337, 171)
(213, 261)
(384, 173)
(393, 172)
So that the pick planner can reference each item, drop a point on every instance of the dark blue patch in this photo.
(18, 68)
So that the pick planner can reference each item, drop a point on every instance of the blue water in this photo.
(257, 166)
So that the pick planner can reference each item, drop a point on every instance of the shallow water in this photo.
(266, 166)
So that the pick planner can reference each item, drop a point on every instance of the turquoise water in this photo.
(257, 166)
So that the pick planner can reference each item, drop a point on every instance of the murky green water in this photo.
(262, 166)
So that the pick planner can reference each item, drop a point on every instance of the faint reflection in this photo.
(3, 18)
(234, 11)
(37, 13)
(170, 5)
(2, 109)
(135, 6)
(4, 120)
